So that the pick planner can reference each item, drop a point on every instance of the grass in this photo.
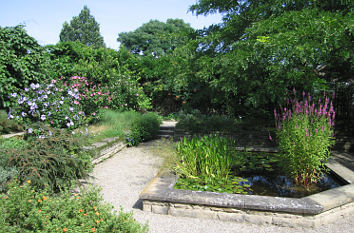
(112, 124)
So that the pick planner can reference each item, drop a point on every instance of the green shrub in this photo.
(21, 62)
(12, 143)
(6, 174)
(8, 125)
(144, 128)
(25, 210)
(54, 160)
(196, 122)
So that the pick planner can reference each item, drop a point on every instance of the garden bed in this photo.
(311, 211)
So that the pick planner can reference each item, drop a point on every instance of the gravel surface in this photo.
(125, 175)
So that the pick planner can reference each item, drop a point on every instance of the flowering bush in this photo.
(305, 133)
(54, 103)
(25, 210)
(121, 95)
(70, 103)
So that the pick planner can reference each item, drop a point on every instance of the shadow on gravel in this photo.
(138, 204)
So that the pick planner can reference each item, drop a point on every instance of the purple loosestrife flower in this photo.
(43, 117)
(13, 94)
(30, 130)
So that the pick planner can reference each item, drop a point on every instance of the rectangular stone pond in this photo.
(160, 197)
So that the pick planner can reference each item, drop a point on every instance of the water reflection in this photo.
(284, 187)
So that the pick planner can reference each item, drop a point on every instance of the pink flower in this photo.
(93, 114)
(106, 107)
(76, 102)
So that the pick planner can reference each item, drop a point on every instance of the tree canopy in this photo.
(264, 48)
(83, 29)
(156, 38)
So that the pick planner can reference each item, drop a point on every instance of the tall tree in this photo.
(264, 47)
(156, 38)
(84, 29)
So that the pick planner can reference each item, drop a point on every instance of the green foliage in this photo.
(156, 38)
(8, 125)
(196, 122)
(25, 210)
(114, 124)
(84, 29)
(21, 62)
(69, 59)
(8, 172)
(144, 128)
(209, 156)
(54, 161)
(265, 47)
(205, 164)
(101, 68)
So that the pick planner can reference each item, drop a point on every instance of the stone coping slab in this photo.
(161, 197)
(13, 135)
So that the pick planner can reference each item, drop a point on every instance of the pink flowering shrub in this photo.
(124, 94)
(305, 133)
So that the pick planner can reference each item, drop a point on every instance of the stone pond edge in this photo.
(160, 197)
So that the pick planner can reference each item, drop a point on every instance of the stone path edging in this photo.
(105, 149)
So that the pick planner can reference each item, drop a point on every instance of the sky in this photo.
(43, 19)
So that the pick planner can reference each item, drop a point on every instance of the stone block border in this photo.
(160, 197)
(105, 149)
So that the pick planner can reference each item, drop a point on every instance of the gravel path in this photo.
(125, 175)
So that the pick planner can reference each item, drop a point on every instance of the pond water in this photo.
(283, 186)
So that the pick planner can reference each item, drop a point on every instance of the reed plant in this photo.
(209, 156)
